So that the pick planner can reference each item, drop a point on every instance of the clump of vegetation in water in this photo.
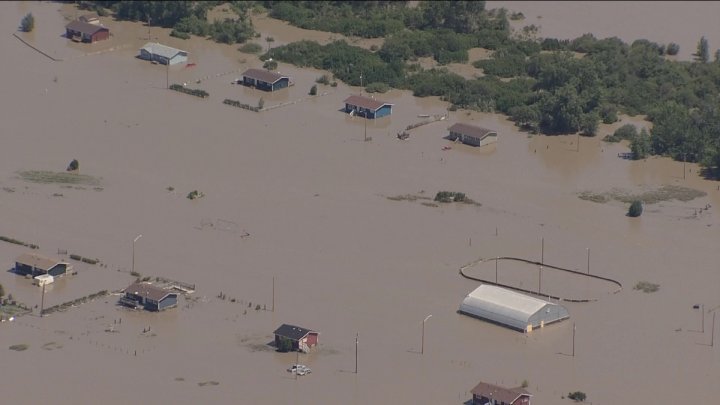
(27, 24)
(577, 396)
(194, 195)
(251, 47)
(192, 92)
(19, 348)
(646, 287)
(636, 209)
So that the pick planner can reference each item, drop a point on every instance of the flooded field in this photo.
(296, 203)
(682, 22)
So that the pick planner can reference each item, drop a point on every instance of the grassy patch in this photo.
(664, 193)
(47, 177)
(19, 348)
(646, 287)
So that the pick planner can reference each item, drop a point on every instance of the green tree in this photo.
(2, 292)
(589, 124)
(577, 396)
(284, 345)
(673, 48)
(640, 145)
(703, 51)
(27, 23)
(313, 90)
(636, 209)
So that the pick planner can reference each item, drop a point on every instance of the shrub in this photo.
(179, 34)
(251, 47)
(646, 287)
(626, 132)
(261, 103)
(270, 65)
(636, 209)
(193, 195)
(238, 104)
(324, 79)
(74, 165)
(284, 345)
(449, 196)
(377, 87)
(672, 48)
(27, 23)
(192, 92)
(313, 90)
(577, 396)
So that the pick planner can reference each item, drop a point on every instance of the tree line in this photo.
(544, 85)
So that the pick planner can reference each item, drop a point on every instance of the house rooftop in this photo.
(263, 75)
(84, 27)
(165, 51)
(471, 130)
(292, 332)
(37, 261)
(146, 290)
(500, 394)
(365, 102)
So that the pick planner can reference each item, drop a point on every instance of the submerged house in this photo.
(163, 54)
(36, 265)
(81, 31)
(472, 134)
(489, 394)
(265, 80)
(149, 297)
(367, 107)
(301, 339)
(511, 309)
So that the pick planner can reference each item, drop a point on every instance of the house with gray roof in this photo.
(472, 134)
(163, 54)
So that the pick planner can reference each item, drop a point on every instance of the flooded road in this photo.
(345, 259)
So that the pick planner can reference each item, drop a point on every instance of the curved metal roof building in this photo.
(511, 309)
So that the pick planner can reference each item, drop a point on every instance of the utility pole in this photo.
(167, 73)
(578, 142)
(273, 295)
(356, 351)
(712, 333)
(702, 310)
(540, 280)
(133, 253)
(297, 360)
(573, 346)
(422, 344)
(588, 257)
(542, 251)
(42, 301)
(366, 118)
(496, 273)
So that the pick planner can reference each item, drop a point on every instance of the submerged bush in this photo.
(636, 209)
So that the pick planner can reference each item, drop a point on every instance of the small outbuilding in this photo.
(489, 394)
(367, 107)
(81, 31)
(36, 265)
(265, 80)
(511, 309)
(148, 296)
(301, 339)
(163, 54)
(472, 134)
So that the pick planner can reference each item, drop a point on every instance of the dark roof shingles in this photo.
(498, 393)
(291, 331)
(85, 28)
(263, 75)
(365, 102)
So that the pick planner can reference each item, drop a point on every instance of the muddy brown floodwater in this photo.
(681, 22)
(346, 260)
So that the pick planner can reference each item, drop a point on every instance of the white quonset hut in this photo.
(511, 309)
